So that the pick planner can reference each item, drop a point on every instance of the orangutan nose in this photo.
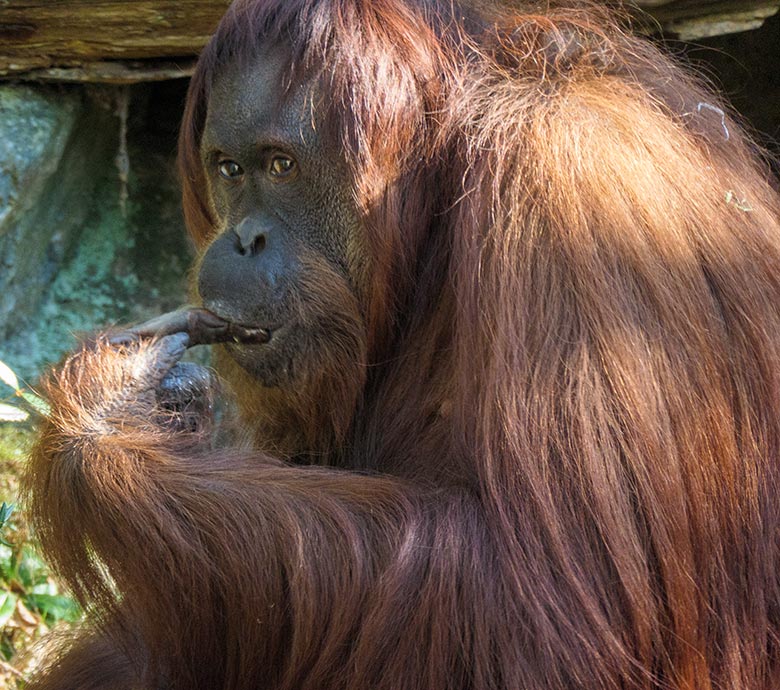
(251, 236)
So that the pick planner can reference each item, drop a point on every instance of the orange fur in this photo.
(558, 466)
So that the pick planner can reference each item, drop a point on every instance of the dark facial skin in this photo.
(286, 209)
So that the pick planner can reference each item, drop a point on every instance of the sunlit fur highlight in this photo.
(562, 468)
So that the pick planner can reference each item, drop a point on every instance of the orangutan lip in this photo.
(242, 333)
(214, 328)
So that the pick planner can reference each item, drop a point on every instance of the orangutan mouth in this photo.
(202, 326)
(205, 328)
(248, 335)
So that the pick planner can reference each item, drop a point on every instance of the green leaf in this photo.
(9, 413)
(54, 607)
(7, 564)
(7, 649)
(36, 402)
(47, 587)
(31, 569)
(8, 377)
(7, 607)
(6, 510)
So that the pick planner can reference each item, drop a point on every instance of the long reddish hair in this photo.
(573, 309)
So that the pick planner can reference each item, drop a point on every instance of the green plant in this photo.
(27, 401)
(31, 601)
(26, 580)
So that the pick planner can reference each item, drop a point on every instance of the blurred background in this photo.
(91, 232)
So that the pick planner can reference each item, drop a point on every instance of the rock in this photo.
(51, 152)
(101, 243)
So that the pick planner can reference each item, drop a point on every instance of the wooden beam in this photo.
(114, 72)
(125, 41)
(693, 19)
(39, 34)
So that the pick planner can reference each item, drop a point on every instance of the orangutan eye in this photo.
(282, 166)
(230, 170)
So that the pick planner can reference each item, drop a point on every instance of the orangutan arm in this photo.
(211, 552)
